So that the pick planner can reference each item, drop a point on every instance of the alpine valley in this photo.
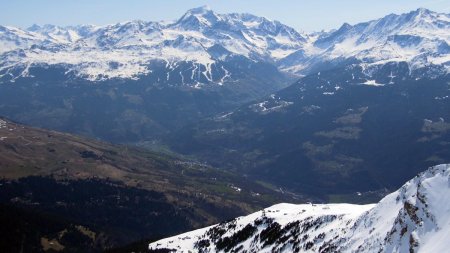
(142, 130)
(137, 81)
(61, 192)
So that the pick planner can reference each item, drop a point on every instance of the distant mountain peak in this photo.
(423, 11)
(254, 37)
(198, 17)
(419, 15)
(345, 26)
(34, 27)
(200, 10)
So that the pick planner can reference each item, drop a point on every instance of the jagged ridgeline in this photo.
(411, 219)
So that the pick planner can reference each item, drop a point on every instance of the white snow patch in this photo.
(373, 83)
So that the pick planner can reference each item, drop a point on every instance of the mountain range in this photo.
(194, 51)
(207, 42)
(197, 66)
(221, 87)
(212, 116)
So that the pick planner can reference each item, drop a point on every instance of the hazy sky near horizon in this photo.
(301, 14)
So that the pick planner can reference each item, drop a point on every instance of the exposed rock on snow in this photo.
(415, 218)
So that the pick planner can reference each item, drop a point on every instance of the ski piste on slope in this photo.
(415, 218)
(207, 40)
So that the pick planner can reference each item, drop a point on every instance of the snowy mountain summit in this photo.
(415, 218)
(419, 38)
(205, 47)
(201, 39)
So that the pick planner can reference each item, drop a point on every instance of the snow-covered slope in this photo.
(420, 38)
(125, 50)
(415, 218)
(207, 41)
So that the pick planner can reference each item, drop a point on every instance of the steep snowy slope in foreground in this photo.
(415, 218)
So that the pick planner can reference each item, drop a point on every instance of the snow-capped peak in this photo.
(93, 52)
(202, 10)
(422, 11)
(56, 34)
(414, 218)
(196, 18)
(420, 38)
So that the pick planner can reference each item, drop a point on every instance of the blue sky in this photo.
(312, 15)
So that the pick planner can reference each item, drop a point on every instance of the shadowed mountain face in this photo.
(30, 231)
(127, 110)
(119, 194)
(83, 215)
(338, 131)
